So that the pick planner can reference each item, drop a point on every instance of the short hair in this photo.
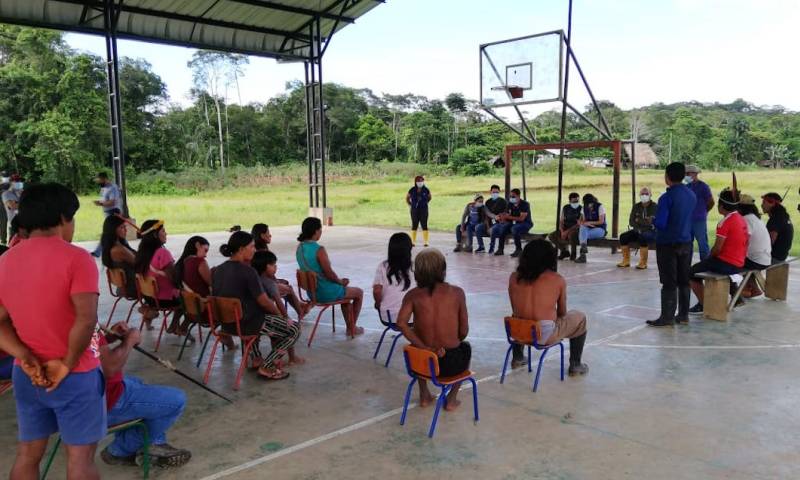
(430, 268)
(675, 171)
(102, 175)
(262, 259)
(46, 206)
(516, 190)
(493, 187)
(537, 257)
(574, 195)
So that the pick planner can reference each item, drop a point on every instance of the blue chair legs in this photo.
(405, 403)
(505, 363)
(442, 400)
(474, 398)
(560, 344)
(539, 369)
(391, 350)
(380, 342)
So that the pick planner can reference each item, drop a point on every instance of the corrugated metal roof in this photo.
(269, 28)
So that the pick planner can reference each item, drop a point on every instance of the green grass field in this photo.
(380, 202)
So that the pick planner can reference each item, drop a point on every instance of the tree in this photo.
(374, 138)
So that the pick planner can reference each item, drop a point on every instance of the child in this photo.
(266, 265)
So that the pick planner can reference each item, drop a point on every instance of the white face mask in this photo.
(575, 205)
(478, 204)
(420, 184)
(644, 198)
(495, 195)
(18, 185)
(687, 179)
(513, 200)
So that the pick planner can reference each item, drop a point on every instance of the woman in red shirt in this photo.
(192, 268)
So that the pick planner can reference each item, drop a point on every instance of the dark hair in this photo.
(775, 197)
(46, 206)
(537, 257)
(675, 171)
(109, 238)
(516, 190)
(147, 247)
(574, 195)
(728, 201)
(493, 187)
(430, 268)
(258, 230)
(747, 209)
(238, 241)
(589, 198)
(102, 175)
(262, 259)
(190, 249)
(13, 226)
(399, 259)
(309, 227)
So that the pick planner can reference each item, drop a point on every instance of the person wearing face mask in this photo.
(517, 221)
(418, 198)
(592, 224)
(567, 233)
(12, 195)
(705, 202)
(494, 207)
(642, 230)
(474, 216)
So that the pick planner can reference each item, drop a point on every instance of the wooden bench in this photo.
(777, 282)
(716, 290)
(612, 243)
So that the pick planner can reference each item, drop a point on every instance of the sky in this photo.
(633, 52)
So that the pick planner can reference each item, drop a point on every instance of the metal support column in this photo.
(111, 11)
(563, 135)
(617, 149)
(315, 121)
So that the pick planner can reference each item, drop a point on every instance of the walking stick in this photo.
(168, 365)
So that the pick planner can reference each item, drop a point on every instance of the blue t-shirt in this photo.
(674, 215)
(111, 192)
(521, 207)
(703, 194)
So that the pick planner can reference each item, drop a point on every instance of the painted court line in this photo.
(704, 347)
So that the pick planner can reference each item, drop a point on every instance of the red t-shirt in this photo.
(192, 278)
(733, 228)
(114, 384)
(37, 279)
(160, 260)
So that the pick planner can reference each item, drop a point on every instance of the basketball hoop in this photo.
(514, 91)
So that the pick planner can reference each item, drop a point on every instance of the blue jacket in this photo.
(674, 215)
(419, 198)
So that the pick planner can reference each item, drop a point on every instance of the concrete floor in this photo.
(707, 400)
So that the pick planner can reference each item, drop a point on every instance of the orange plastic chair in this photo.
(195, 310)
(222, 311)
(528, 333)
(308, 281)
(146, 286)
(424, 364)
(116, 279)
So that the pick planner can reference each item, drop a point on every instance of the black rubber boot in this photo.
(582, 258)
(669, 300)
(573, 252)
(575, 352)
(684, 297)
(564, 254)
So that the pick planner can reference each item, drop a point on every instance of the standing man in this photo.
(705, 202)
(495, 206)
(517, 221)
(674, 246)
(5, 184)
(110, 200)
(567, 233)
(11, 199)
(48, 314)
(418, 198)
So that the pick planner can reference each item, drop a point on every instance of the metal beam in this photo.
(508, 125)
(591, 123)
(562, 136)
(297, 10)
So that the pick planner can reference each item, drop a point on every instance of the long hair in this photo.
(749, 209)
(258, 230)
(537, 257)
(430, 268)
(189, 250)
(309, 228)
(238, 241)
(147, 247)
(399, 259)
(109, 238)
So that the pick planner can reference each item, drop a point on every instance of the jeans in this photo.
(157, 405)
(587, 233)
(472, 231)
(517, 230)
(494, 233)
(700, 233)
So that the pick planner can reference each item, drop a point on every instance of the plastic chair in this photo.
(308, 281)
(194, 308)
(5, 386)
(137, 423)
(222, 311)
(527, 333)
(424, 364)
(117, 279)
(390, 325)
(146, 286)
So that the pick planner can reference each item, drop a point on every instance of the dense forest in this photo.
(53, 121)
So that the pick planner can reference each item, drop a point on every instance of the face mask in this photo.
(495, 196)
(513, 200)
(687, 179)
(478, 204)
(420, 184)
(575, 205)
(644, 198)
(4, 179)
(18, 185)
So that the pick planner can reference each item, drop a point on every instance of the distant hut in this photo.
(645, 156)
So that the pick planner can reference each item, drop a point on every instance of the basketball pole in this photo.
(564, 117)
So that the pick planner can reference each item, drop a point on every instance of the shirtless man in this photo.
(537, 292)
(440, 322)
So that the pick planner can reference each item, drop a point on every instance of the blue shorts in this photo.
(6, 364)
(76, 409)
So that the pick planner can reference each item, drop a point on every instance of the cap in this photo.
(745, 199)
(692, 169)
(477, 196)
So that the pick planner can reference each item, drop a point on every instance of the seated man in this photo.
(642, 230)
(494, 207)
(729, 250)
(779, 226)
(537, 292)
(567, 233)
(592, 224)
(440, 322)
(128, 398)
(474, 215)
(517, 221)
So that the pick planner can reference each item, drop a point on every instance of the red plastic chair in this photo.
(222, 311)
(117, 279)
(308, 281)
(146, 286)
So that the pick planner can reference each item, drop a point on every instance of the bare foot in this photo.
(295, 360)
(356, 331)
(148, 323)
(425, 400)
(452, 405)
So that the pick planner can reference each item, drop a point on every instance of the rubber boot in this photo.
(626, 257)
(458, 247)
(413, 238)
(564, 254)
(684, 297)
(643, 254)
(572, 252)
(575, 353)
(425, 237)
(669, 300)
(582, 258)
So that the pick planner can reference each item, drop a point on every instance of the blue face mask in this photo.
(513, 200)
(18, 185)
(687, 180)
(495, 195)
(575, 205)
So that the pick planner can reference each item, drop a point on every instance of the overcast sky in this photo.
(634, 52)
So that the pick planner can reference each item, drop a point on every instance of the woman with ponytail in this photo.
(237, 279)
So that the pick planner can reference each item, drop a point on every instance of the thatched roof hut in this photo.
(645, 156)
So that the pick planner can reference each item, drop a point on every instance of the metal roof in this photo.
(276, 29)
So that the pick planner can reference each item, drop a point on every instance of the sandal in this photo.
(273, 374)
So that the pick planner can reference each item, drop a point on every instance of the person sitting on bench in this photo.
(759, 245)
(474, 215)
(779, 226)
(567, 233)
(494, 207)
(538, 292)
(440, 322)
(592, 224)
(642, 230)
(730, 248)
(517, 221)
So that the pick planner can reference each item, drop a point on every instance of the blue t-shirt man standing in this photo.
(705, 202)
(673, 224)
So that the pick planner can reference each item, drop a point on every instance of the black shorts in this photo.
(455, 360)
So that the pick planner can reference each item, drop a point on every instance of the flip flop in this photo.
(274, 375)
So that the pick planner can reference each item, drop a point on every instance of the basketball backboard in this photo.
(521, 71)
